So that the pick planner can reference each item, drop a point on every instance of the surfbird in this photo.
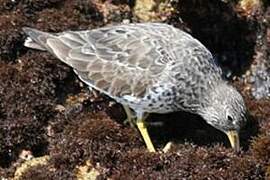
(149, 68)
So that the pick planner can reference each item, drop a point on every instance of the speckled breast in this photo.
(158, 99)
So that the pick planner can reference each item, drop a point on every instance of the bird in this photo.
(149, 68)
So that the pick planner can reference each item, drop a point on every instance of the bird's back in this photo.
(130, 60)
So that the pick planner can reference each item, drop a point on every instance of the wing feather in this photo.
(58, 48)
(118, 60)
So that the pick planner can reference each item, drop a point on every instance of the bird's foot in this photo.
(167, 147)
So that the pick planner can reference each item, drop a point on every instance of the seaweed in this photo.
(47, 112)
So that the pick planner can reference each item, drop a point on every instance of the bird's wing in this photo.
(119, 60)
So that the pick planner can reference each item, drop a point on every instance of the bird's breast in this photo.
(158, 99)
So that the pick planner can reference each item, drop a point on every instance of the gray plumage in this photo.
(149, 67)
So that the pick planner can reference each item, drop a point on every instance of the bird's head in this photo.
(225, 110)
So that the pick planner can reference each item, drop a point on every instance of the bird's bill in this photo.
(234, 140)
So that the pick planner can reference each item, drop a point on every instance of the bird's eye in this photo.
(230, 118)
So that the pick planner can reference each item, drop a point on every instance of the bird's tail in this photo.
(36, 39)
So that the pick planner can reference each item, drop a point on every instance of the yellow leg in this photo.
(130, 116)
(143, 130)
